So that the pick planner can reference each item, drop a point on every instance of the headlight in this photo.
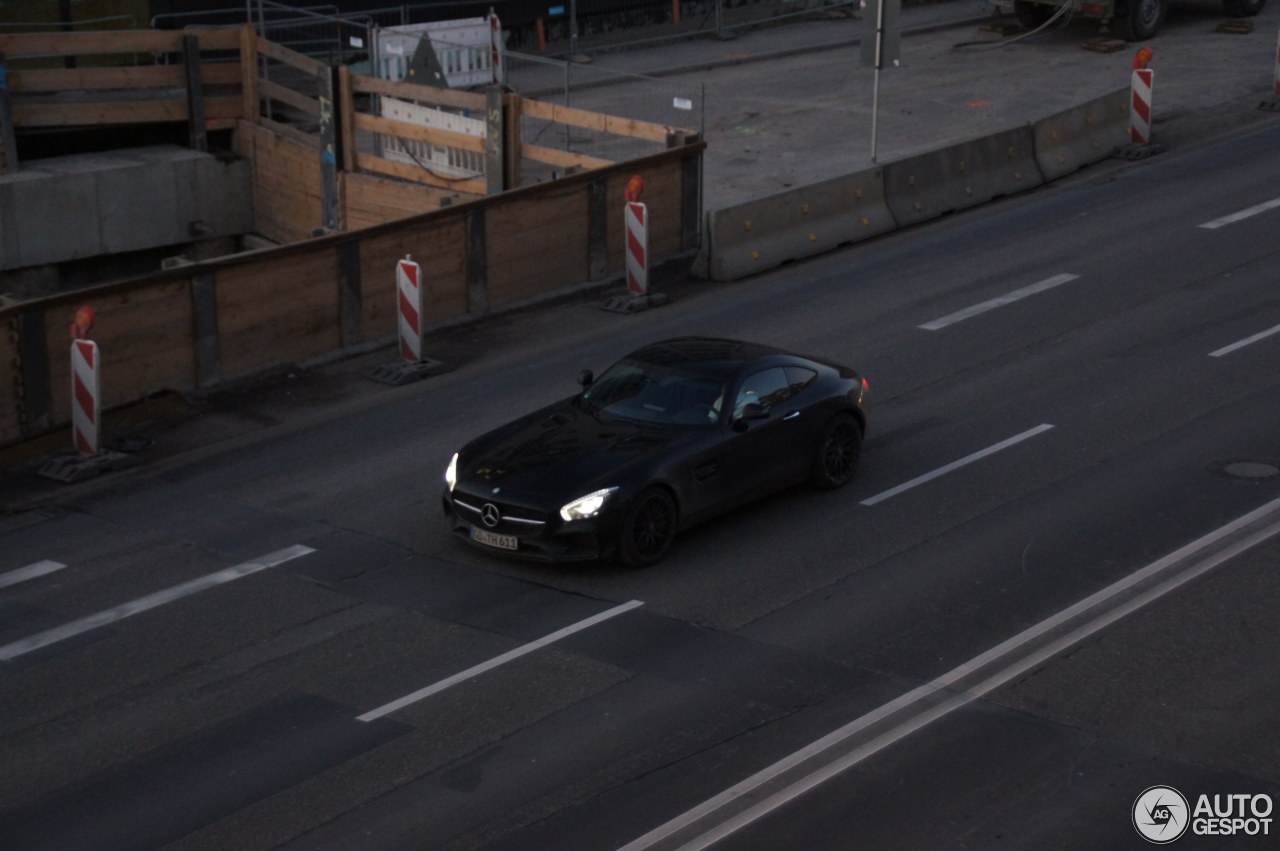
(451, 472)
(586, 506)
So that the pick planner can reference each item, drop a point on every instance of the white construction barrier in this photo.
(637, 221)
(411, 304)
(86, 396)
(1140, 106)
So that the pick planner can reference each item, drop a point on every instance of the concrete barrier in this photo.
(87, 205)
(962, 175)
(763, 234)
(1082, 135)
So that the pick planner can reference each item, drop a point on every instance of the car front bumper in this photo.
(526, 534)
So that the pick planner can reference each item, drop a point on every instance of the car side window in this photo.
(772, 386)
(799, 377)
(766, 387)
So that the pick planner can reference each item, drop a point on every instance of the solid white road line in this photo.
(1017, 655)
(1261, 335)
(955, 465)
(497, 661)
(1010, 298)
(1243, 214)
(151, 601)
(31, 571)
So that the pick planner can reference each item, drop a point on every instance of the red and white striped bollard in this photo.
(410, 300)
(637, 220)
(1140, 102)
(86, 385)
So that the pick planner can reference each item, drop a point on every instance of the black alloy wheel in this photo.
(648, 529)
(838, 451)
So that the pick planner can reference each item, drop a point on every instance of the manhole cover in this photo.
(1250, 469)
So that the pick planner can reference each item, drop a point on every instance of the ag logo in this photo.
(1161, 814)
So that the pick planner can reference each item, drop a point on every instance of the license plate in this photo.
(493, 539)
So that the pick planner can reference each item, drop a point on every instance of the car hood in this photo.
(561, 452)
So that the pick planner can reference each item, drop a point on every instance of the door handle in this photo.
(791, 416)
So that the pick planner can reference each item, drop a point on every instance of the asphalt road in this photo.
(264, 637)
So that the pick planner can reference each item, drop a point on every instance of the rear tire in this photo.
(1142, 19)
(836, 459)
(648, 528)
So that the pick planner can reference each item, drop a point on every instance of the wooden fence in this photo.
(200, 325)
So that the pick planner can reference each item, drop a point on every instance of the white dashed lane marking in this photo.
(31, 571)
(77, 627)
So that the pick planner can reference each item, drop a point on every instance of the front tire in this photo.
(648, 528)
(838, 451)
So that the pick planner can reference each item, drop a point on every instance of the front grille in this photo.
(514, 519)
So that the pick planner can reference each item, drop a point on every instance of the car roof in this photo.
(705, 354)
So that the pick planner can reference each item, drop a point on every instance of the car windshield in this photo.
(660, 395)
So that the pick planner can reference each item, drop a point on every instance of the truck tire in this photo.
(1242, 8)
(1143, 18)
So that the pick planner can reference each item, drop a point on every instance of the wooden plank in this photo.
(11, 400)
(278, 310)
(289, 57)
(219, 38)
(284, 94)
(596, 121)
(89, 42)
(365, 162)
(113, 41)
(565, 159)
(286, 182)
(536, 244)
(371, 200)
(249, 73)
(446, 138)
(223, 109)
(126, 77)
(418, 93)
(292, 133)
(346, 118)
(79, 114)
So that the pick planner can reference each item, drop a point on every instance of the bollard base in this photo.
(77, 468)
(1135, 151)
(632, 303)
(404, 372)
(1270, 105)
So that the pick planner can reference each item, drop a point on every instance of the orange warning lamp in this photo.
(1142, 57)
(634, 187)
(83, 323)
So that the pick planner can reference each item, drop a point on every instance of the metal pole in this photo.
(875, 87)
(573, 29)
(875, 102)
(262, 57)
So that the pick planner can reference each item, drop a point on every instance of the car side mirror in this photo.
(750, 411)
(585, 378)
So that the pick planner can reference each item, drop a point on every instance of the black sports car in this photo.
(670, 435)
